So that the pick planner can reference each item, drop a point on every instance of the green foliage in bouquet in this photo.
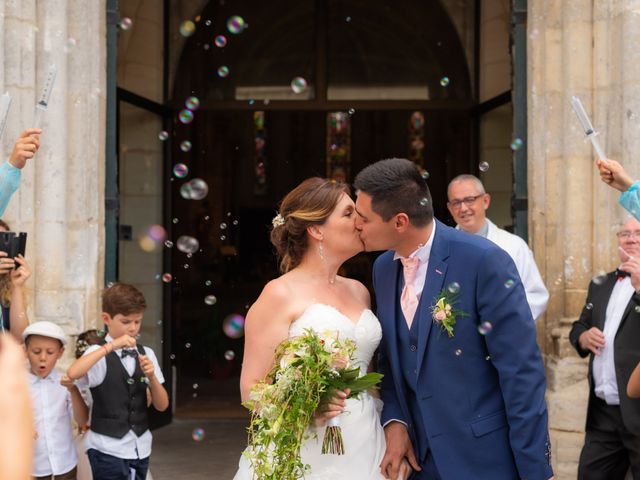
(308, 369)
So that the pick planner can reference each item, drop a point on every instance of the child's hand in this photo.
(147, 366)
(65, 381)
(21, 273)
(125, 341)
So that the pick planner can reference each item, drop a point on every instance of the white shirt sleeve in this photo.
(156, 366)
(96, 374)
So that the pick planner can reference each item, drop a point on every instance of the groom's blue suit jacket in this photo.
(482, 411)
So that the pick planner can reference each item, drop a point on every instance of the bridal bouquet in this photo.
(308, 370)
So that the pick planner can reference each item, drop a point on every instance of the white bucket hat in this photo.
(45, 329)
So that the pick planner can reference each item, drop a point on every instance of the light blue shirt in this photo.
(630, 200)
(9, 183)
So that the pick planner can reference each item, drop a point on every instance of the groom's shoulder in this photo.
(384, 259)
(463, 242)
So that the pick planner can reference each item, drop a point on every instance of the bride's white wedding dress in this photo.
(363, 435)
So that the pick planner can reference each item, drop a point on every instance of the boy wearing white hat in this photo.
(55, 399)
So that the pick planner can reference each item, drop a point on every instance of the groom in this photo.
(467, 403)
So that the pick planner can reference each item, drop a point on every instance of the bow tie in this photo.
(129, 351)
(621, 274)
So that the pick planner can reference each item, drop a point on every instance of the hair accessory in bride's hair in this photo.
(277, 221)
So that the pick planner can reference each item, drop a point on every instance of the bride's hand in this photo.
(405, 470)
(331, 408)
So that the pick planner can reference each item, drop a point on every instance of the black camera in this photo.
(13, 243)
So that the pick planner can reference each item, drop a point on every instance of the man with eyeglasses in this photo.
(608, 330)
(468, 204)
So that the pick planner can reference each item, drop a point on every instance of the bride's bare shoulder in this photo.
(358, 290)
(274, 300)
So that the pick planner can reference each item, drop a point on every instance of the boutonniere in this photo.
(444, 312)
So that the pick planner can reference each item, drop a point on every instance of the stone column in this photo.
(60, 202)
(579, 48)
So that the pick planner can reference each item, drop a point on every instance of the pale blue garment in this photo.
(9, 183)
(630, 200)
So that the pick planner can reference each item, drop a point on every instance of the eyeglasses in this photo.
(468, 201)
(626, 234)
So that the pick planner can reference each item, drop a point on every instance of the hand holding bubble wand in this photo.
(587, 126)
(43, 101)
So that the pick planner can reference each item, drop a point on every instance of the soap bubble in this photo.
(185, 116)
(223, 237)
(235, 222)
(229, 355)
(185, 146)
(351, 111)
(223, 71)
(425, 175)
(509, 283)
(210, 299)
(424, 202)
(600, 278)
(484, 166)
(444, 81)
(236, 24)
(163, 135)
(458, 352)
(199, 189)
(126, 23)
(187, 244)
(454, 287)
(298, 84)
(221, 41)
(485, 328)
(223, 226)
(157, 233)
(192, 103)
(187, 345)
(130, 381)
(197, 434)
(185, 191)
(195, 386)
(187, 28)
(180, 170)
(589, 306)
(168, 244)
(167, 277)
(516, 144)
(637, 308)
(233, 326)
(147, 244)
(208, 283)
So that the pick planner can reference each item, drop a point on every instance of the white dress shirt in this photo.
(423, 252)
(54, 451)
(130, 446)
(604, 369)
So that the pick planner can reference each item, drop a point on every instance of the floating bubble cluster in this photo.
(195, 189)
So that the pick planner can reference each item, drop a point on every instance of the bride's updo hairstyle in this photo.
(310, 203)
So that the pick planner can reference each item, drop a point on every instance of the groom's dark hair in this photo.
(396, 186)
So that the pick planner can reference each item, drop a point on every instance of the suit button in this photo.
(412, 348)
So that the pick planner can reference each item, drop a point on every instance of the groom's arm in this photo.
(515, 355)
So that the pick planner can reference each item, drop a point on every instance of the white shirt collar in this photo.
(423, 252)
(54, 376)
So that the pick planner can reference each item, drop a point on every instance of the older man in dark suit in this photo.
(609, 331)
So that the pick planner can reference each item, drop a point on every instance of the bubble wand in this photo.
(43, 102)
(5, 103)
(587, 126)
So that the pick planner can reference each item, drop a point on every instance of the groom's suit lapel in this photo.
(434, 281)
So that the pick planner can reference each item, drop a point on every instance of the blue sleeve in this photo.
(515, 355)
(9, 183)
(630, 200)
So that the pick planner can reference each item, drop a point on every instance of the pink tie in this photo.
(409, 299)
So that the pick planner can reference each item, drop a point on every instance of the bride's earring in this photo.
(321, 250)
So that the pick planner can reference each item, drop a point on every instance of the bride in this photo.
(314, 233)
